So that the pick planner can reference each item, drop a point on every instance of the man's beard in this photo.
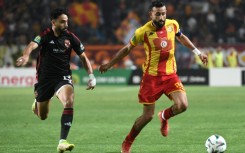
(159, 24)
(59, 30)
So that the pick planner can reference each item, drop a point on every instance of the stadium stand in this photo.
(98, 22)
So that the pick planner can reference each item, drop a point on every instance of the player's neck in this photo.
(56, 32)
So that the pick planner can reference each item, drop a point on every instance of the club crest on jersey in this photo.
(164, 43)
(169, 28)
(67, 43)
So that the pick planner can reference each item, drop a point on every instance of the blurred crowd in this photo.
(100, 22)
(218, 57)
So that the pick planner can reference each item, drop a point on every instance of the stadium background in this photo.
(208, 23)
(103, 27)
(215, 26)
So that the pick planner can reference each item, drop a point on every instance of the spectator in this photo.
(210, 58)
(219, 57)
(232, 58)
(127, 27)
(208, 22)
(9, 50)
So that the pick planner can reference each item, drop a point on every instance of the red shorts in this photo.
(152, 87)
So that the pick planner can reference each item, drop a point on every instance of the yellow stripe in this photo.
(177, 90)
(155, 56)
(171, 64)
(145, 65)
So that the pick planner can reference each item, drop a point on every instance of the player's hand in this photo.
(21, 61)
(91, 82)
(103, 68)
(204, 58)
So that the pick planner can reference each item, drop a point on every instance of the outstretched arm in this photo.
(21, 61)
(184, 40)
(87, 65)
(120, 55)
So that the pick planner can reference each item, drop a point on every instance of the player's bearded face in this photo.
(158, 16)
(61, 23)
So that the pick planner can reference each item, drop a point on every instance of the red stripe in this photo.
(68, 112)
(38, 64)
(73, 35)
(45, 32)
(162, 61)
(175, 28)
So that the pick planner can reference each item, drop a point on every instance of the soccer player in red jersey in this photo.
(53, 71)
(159, 69)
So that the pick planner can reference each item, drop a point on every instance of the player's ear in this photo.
(53, 21)
(150, 14)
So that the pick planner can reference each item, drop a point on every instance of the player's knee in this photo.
(68, 103)
(181, 107)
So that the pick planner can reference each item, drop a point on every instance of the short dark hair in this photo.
(57, 12)
(156, 3)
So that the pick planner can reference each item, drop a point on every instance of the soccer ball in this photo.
(215, 144)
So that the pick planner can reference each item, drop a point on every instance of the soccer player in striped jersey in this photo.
(53, 71)
(159, 70)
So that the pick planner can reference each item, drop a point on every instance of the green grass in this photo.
(104, 116)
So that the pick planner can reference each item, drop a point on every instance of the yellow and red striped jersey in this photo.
(159, 46)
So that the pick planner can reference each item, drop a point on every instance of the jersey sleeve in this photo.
(77, 45)
(39, 40)
(137, 38)
(176, 28)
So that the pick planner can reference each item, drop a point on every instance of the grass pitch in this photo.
(104, 116)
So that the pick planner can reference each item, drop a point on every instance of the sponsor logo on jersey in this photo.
(67, 43)
(55, 50)
(51, 42)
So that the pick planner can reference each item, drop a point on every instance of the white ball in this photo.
(215, 144)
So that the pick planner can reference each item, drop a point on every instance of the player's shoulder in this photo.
(71, 34)
(46, 31)
(171, 21)
(146, 27)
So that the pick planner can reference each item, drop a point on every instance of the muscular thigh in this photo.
(65, 93)
(179, 97)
